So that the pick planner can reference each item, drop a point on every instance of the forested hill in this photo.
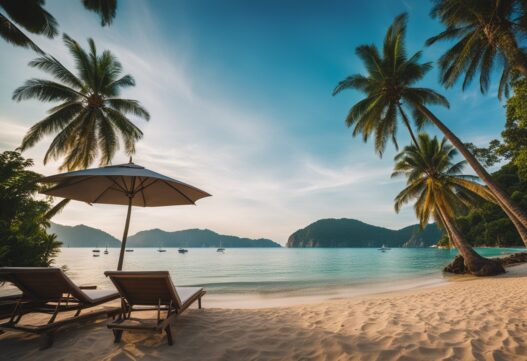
(353, 233)
(84, 236)
(194, 238)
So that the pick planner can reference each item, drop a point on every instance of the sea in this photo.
(268, 277)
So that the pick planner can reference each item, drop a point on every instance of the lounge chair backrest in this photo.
(41, 283)
(147, 288)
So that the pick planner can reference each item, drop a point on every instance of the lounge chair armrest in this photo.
(88, 287)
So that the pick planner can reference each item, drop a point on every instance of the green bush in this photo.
(24, 240)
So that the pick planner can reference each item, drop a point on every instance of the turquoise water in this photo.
(268, 270)
(263, 277)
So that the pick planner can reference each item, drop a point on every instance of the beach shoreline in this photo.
(467, 318)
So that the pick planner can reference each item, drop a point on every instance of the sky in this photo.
(239, 94)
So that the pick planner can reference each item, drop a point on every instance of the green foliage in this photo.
(23, 219)
(514, 135)
(513, 146)
(485, 224)
(91, 119)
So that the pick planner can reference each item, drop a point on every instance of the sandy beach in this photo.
(466, 319)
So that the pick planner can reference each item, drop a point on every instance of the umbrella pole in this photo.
(125, 235)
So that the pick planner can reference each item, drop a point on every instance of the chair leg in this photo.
(46, 340)
(168, 330)
(117, 334)
(199, 303)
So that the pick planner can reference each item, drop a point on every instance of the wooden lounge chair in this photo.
(50, 291)
(150, 291)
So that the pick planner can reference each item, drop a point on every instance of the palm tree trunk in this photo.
(407, 123)
(517, 215)
(475, 263)
(443, 224)
(515, 57)
(522, 231)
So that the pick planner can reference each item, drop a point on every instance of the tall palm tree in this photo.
(388, 86)
(91, 116)
(439, 189)
(30, 15)
(390, 79)
(487, 35)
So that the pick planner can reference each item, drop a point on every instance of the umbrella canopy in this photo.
(126, 184)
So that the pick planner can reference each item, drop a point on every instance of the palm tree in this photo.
(439, 189)
(487, 34)
(30, 15)
(388, 87)
(389, 81)
(91, 116)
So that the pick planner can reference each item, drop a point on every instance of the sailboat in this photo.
(161, 248)
(384, 248)
(106, 250)
(96, 250)
(221, 249)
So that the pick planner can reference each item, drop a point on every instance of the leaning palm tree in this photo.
(389, 87)
(91, 117)
(487, 34)
(31, 16)
(435, 183)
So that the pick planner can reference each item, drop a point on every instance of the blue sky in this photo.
(240, 98)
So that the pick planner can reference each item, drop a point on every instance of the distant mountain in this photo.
(194, 238)
(84, 236)
(353, 233)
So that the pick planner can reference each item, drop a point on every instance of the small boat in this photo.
(221, 249)
(384, 248)
(182, 250)
(160, 249)
(96, 255)
(129, 250)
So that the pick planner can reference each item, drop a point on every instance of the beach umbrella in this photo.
(125, 184)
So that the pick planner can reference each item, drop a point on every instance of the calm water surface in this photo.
(269, 269)
(275, 272)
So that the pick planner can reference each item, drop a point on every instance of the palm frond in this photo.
(46, 91)
(106, 9)
(31, 16)
(129, 106)
(52, 123)
(13, 35)
(51, 65)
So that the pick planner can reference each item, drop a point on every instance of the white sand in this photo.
(470, 319)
